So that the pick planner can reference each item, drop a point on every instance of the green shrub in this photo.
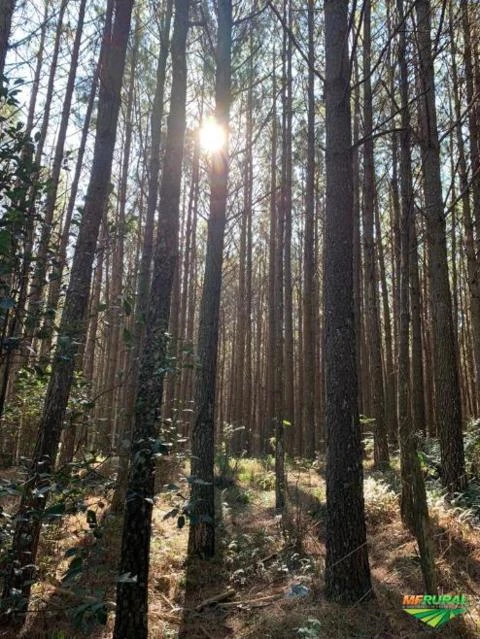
(472, 448)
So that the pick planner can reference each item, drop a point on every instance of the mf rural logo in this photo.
(435, 610)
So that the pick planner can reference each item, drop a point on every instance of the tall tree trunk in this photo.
(268, 426)
(55, 172)
(188, 302)
(55, 286)
(279, 352)
(473, 118)
(381, 455)
(347, 573)
(414, 508)
(309, 297)
(287, 115)
(202, 526)
(357, 250)
(72, 327)
(42, 253)
(144, 277)
(6, 11)
(390, 398)
(472, 259)
(88, 364)
(132, 596)
(447, 389)
(248, 194)
(115, 314)
(418, 386)
(396, 259)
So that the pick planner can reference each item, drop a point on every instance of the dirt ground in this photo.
(266, 581)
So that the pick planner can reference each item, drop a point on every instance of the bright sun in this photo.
(212, 136)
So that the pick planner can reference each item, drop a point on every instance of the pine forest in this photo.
(239, 319)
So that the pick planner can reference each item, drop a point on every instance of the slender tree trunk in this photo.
(54, 290)
(414, 508)
(202, 525)
(309, 297)
(381, 454)
(72, 327)
(51, 200)
(91, 338)
(472, 259)
(248, 194)
(238, 358)
(268, 426)
(116, 317)
(144, 277)
(189, 293)
(41, 259)
(357, 250)
(473, 117)
(279, 352)
(347, 573)
(396, 258)
(6, 11)
(132, 596)
(418, 387)
(447, 390)
(390, 401)
(287, 115)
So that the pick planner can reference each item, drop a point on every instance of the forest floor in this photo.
(269, 569)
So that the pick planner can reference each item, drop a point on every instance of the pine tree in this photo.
(347, 573)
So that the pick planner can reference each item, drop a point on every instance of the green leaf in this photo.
(74, 569)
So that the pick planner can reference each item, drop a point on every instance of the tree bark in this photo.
(347, 573)
(309, 296)
(414, 508)
(132, 596)
(381, 454)
(37, 284)
(55, 286)
(6, 12)
(51, 200)
(72, 327)
(447, 389)
(201, 539)
(144, 277)
(473, 260)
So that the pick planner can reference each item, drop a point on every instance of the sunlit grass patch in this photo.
(381, 502)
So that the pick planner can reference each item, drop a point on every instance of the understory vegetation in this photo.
(264, 582)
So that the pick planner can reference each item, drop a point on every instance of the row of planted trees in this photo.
(331, 238)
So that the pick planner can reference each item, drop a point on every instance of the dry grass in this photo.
(260, 557)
